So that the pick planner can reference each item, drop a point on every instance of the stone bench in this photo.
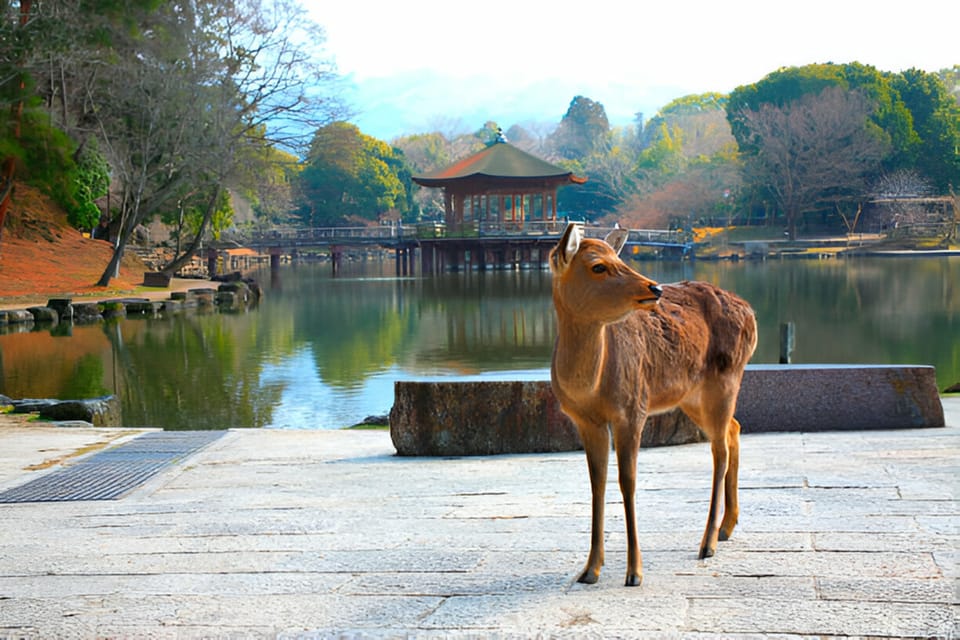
(485, 418)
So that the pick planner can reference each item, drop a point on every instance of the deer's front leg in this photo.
(596, 444)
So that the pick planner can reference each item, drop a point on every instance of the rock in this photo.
(229, 300)
(73, 424)
(101, 412)
(86, 313)
(30, 405)
(113, 309)
(838, 398)
(202, 297)
(63, 307)
(19, 316)
(43, 315)
(485, 418)
(233, 276)
(156, 279)
(482, 418)
(237, 294)
(143, 307)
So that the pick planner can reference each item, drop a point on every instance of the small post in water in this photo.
(787, 331)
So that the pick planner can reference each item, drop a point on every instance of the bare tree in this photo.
(813, 152)
(189, 106)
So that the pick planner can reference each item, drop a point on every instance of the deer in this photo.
(628, 347)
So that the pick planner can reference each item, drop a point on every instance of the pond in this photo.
(323, 352)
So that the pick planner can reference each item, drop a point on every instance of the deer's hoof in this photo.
(706, 552)
(726, 530)
(589, 577)
(634, 580)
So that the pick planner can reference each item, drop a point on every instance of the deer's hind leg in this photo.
(714, 415)
(731, 503)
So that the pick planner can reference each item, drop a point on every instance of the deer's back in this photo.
(697, 331)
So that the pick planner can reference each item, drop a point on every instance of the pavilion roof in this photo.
(500, 160)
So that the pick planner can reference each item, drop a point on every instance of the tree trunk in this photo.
(177, 263)
(114, 264)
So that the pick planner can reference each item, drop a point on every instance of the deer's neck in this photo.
(579, 357)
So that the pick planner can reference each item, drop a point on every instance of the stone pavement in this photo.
(317, 534)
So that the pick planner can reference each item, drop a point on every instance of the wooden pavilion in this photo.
(498, 189)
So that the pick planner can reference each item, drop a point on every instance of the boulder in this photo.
(113, 309)
(478, 418)
(485, 418)
(838, 398)
(156, 279)
(43, 315)
(63, 307)
(86, 313)
(19, 316)
(100, 412)
(142, 306)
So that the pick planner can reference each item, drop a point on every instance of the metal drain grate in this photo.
(109, 474)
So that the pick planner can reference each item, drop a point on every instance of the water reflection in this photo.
(324, 352)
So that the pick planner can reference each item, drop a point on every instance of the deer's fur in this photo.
(627, 348)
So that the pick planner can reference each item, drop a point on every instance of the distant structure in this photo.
(498, 188)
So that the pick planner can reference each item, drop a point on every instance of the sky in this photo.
(440, 65)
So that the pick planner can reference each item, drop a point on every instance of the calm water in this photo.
(323, 352)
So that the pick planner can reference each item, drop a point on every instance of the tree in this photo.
(14, 37)
(936, 120)
(192, 101)
(813, 151)
(785, 86)
(582, 129)
(350, 174)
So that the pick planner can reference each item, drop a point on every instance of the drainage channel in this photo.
(109, 474)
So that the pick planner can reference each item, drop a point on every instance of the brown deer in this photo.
(627, 348)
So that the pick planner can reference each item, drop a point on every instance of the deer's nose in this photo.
(656, 289)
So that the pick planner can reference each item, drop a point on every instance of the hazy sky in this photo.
(425, 65)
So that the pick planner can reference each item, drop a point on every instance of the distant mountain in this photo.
(421, 102)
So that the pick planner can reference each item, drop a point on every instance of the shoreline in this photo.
(149, 293)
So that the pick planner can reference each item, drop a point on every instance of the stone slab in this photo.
(838, 397)
(156, 279)
(272, 533)
(484, 418)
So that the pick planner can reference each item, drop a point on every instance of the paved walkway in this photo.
(316, 534)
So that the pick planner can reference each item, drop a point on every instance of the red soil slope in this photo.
(41, 256)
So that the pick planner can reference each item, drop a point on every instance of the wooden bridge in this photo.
(480, 246)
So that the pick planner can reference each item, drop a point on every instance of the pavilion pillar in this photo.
(447, 207)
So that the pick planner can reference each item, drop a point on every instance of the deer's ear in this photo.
(617, 238)
(568, 246)
(571, 241)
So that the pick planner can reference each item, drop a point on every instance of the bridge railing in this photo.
(298, 236)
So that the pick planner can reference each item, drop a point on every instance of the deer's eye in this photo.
(599, 268)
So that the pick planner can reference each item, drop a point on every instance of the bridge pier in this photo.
(336, 259)
(405, 257)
